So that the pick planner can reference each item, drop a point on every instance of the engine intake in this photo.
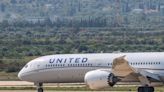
(112, 80)
(98, 79)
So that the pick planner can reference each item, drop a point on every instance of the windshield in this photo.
(26, 66)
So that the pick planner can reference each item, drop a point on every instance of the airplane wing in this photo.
(121, 68)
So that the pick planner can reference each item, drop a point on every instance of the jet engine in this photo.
(98, 79)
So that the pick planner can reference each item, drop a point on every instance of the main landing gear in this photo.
(146, 89)
(146, 84)
(39, 87)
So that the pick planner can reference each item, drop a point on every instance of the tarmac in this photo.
(24, 84)
(15, 83)
(29, 84)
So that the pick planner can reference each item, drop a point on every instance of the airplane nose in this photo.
(20, 75)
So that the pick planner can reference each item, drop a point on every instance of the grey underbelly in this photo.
(68, 75)
(64, 75)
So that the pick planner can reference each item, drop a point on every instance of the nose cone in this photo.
(20, 75)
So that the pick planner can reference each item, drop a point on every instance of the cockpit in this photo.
(24, 71)
(26, 66)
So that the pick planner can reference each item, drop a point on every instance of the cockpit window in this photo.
(25, 66)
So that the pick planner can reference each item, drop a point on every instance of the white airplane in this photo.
(97, 70)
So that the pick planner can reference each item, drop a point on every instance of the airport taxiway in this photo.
(15, 83)
(30, 84)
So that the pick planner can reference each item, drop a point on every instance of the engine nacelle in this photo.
(98, 79)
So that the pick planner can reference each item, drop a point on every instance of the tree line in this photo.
(22, 41)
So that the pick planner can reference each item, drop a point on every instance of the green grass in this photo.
(17, 88)
(8, 76)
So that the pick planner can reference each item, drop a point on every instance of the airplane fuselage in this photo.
(70, 68)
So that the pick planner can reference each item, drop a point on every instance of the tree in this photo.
(13, 1)
(3, 7)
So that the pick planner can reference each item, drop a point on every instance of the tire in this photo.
(40, 89)
(151, 89)
(140, 89)
(146, 89)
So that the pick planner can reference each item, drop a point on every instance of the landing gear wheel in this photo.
(40, 89)
(146, 89)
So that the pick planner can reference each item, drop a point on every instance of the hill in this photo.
(110, 12)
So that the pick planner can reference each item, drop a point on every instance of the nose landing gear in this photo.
(39, 87)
